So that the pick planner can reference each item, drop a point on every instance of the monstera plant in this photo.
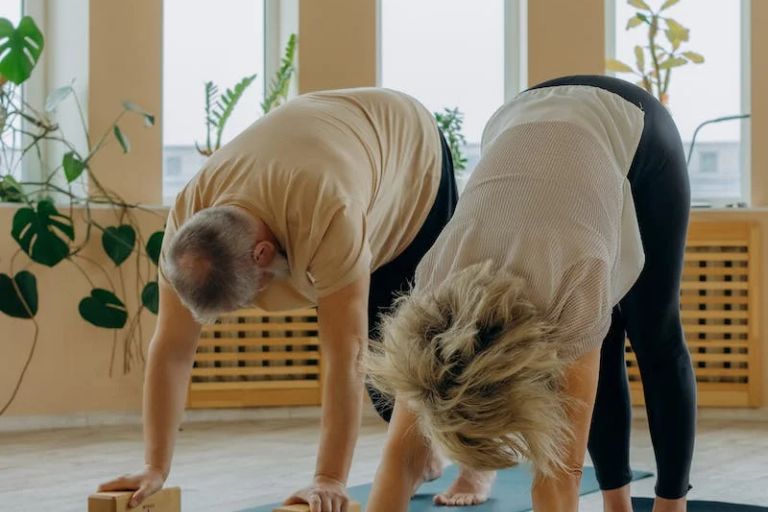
(43, 226)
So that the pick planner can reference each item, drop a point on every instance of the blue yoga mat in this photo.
(646, 505)
(511, 492)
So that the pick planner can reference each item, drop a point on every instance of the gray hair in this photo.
(210, 263)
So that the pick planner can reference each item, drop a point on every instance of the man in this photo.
(330, 200)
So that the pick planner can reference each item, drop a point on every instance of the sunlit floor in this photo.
(229, 466)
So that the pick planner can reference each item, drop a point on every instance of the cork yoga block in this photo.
(353, 506)
(165, 500)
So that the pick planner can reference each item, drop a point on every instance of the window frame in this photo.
(744, 200)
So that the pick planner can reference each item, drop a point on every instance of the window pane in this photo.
(203, 42)
(446, 53)
(698, 93)
(10, 154)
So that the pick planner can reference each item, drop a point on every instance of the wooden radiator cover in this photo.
(720, 314)
(255, 358)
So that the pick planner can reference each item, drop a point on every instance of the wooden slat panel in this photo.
(254, 342)
(261, 313)
(686, 314)
(713, 256)
(266, 326)
(261, 384)
(713, 285)
(691, 271)
(721, 274)
(257, 356)
(690, 298)
(254, 370)
(722, 329)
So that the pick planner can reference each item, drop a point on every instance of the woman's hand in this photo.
(324, 495)
(146, 483)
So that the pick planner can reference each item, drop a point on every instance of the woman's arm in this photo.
(402, 465)
(561, 492)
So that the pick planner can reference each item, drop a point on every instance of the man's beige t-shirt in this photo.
(344, 179)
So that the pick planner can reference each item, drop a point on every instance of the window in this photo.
(447, 54)
(717, 88)
(204, 41)
(9, 159)
(708, 162)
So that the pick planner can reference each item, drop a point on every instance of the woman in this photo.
(568, 238)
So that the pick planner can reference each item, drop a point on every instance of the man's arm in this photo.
(343, 319)
(343, 325)
(169, 364)
(561, 492)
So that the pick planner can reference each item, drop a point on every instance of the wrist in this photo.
(325, 478)
(157, 468)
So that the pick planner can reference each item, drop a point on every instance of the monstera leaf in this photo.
(118, 242)
(41, 233)
(103, 309)
(150, 296)
(73, 166)
(16, 292)
(154, 244)
(20, 48)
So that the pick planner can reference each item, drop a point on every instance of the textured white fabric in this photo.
(549, 201)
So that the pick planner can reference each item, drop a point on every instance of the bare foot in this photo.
(472, 487)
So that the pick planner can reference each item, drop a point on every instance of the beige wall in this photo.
(69, 371)
(337, 44)
(565, 38)
(125, 63)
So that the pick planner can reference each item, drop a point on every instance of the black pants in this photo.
(649, 315)
(396, 276)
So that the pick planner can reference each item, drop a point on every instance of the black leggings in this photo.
(649, 315)
(396, 276)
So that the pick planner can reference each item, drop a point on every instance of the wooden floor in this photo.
(224, 467)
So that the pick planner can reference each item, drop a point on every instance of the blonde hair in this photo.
(475, 362)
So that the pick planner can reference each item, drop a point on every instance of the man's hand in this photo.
(324, 495)
(146, 483)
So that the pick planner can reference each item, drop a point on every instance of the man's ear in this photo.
(263, 253)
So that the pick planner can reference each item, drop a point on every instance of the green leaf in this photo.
(640, 58)
(226, 105)
(118, 242)
(668, 4)
(694, 57)
(673, 62)
(149, 119)
(20, 48)
(103, 309)
(616, 66)
(639, 4)
(450, 122)
(675, 31)
(280, 85)
(634, 21)
(18, 297)
(11, 190)
(73, 166)
(39, 233)
(57, 96)
(150, 296)
(154, 245)
(122, 139)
